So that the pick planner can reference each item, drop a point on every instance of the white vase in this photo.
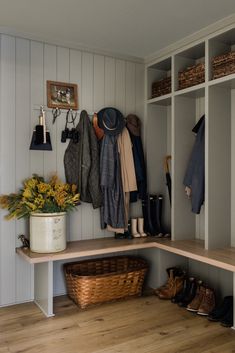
(47, 232)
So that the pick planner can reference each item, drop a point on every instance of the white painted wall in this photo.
(25, 66)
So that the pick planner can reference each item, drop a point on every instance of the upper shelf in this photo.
(194, 91)
(225, 81)
(162, 100)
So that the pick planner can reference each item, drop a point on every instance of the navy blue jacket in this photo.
(140, 169)
(195, 173)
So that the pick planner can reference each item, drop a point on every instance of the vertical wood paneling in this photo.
(62, 76)
(120, 85)
(136, 208)
(99, 82)
(109, 82)
(25, 67)
(99, 99)
(232, 167)
(36, 157)
(130, 88)
(139, 91)
(87, 104)
(23, 136)
(8, 168)
(75, 218)
(50, 166)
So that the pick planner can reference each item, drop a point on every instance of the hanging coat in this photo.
(134, 128)
(112, 211)
(140, 169)
(81, 162)
(195, 173)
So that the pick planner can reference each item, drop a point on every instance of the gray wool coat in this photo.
(81, 162)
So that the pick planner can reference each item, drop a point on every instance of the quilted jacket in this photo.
(81, 162)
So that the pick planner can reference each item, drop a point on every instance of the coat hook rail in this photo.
(63, 111)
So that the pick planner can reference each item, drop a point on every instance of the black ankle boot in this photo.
(190, 292)
(227, 320)
(220, 311)
(180, 296)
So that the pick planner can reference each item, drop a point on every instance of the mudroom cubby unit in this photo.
(220, 44)
(215, 225)
(214, 228)
(157, 72)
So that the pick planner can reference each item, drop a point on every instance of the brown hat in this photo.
(133, 124)
(98, 131)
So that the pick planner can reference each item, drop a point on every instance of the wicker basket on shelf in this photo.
(102, 280)
(223, 65)
(193, 75)
(161, 87)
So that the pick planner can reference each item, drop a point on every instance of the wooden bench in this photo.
(43, 263)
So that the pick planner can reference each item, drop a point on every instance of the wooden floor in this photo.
(141, 325)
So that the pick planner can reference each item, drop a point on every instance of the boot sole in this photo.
(202, 314)
(193, 310)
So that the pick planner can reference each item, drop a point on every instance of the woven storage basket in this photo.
(101, 280)
(223, 65)
(193, 75)
(161, 87)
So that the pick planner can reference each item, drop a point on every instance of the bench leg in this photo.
(233, 327)
(43, 287)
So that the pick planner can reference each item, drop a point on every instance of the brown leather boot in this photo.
(170, 271)
(208, 303)
(196, 302)
(174, 287)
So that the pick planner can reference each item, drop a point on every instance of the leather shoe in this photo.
(227, 320)
(190, 293)
(208, 303)
(180, 296)
(195, 304)
(219, 312)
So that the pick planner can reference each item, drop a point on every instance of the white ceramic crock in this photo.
(48, 232)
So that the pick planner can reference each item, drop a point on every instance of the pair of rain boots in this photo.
(152, 212)
(137, 228)
(173, 285)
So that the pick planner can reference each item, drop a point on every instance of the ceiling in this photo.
(134, 27)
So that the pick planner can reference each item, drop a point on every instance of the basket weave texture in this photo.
(223, 65)
(192, 76)
(161, 87)
(101, 280)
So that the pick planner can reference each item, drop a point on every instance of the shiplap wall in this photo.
(25, 66)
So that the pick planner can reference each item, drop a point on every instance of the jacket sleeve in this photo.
(94, 176)
(195, 173)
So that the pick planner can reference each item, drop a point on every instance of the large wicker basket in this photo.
(161, 87)
(101, 280)
(191, 76)
(223, 65)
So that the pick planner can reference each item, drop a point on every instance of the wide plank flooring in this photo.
(140, 325)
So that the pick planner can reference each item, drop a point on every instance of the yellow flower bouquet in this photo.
(41, 197)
